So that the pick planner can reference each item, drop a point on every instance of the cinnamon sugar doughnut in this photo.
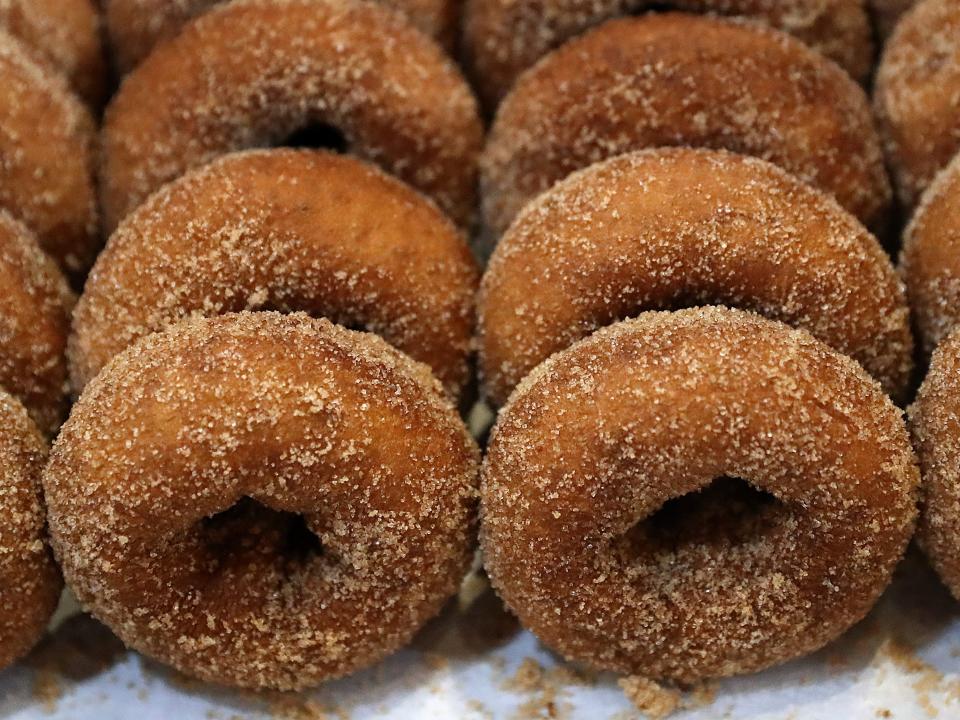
(136, 26)
(917, 95)
(930, 261)
(677, 79)
(35, 305)
(172, 490)
(504, 37)
(65, 33)
(29, 580)
(47, 142)
(935, 422)
(254, 72)
(593, 444)
(251, 231)
(664, 228)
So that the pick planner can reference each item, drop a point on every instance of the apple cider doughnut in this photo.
(30, 583)
(930, 259)
(674, 227)
(64, 33)
(35, 306)
(917, 95)
(263, 500)
(935, 422)
(258, 73)
(136, 26)
(47, 157)
(601, 448)
(285, 230)
(674, 79)
(504, 37)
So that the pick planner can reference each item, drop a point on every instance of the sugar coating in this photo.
(930, 259)
(673, 79)
(301, 416)
(917, 95)
(30, 583)
(935, 424)
(65, 33)
(250, 73)
(47, 149)
(136, 26)
(504, 37)
(599, 436)
(658, 229)
(35, 306)
(285, 230)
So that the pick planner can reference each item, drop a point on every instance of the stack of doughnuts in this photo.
(655, 500)
(917, 99)
(695, 345)
(52, 80)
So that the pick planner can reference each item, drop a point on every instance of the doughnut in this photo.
(664, 228)
(136, 26)
(502, 38)
(935, 424)
(65, 34)
(930, 260)
(257, 73)
(35, 306)
(30, 583)
(250, 231)
(887, 13)
(47, 141)
(263, 500)
(601, 526)
(675, 79)
(917, 95)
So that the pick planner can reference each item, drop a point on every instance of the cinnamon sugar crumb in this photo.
(649, 697)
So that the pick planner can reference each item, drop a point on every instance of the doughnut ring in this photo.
(65, 34)
(502, 38)
(263, 500)
(137, 26)
(35, 306)
(30, 583)
(917, 95)
(930, 260)
(933, 421)
(256, 73)
(747, 89)
(250, 231)
(643, 413)
(660, 229)
(47, 142)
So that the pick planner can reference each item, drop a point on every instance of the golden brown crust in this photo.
(252, 72)
(660, 229)
(300, 416)
(676, 79)
(935, 423)
(286, 230)
(917, 95)
(504, 37)
(137, 26)
(29, 580)
(35, 305)
(600, 436)
(47, 146)
(64, 33)
(930, 261)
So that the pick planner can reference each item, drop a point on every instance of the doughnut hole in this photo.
(726, 513)
(318, 136)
